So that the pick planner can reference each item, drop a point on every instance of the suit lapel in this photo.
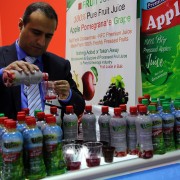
(10, 56)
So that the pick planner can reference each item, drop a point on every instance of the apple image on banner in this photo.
(88, 85)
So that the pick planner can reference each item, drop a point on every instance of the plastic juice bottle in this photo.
(168, 128)
(12, 146)
(33, 148)
(144, 134)
(14, 78)
(103, 121)
(157, 132)
(54, 112)
(70, 124)
(21, 125)
(53, 155)
(89, 124)
(177, 125)
(117, 125)
(131, 131)
(2, 131)
(41, 123)
(124, 112)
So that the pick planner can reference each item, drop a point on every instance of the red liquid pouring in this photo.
(73, 165)
(91, 162)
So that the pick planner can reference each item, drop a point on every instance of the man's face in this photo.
(36, 35)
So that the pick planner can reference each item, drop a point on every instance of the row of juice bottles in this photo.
(145, 130)
(151, 127)
(31, 148)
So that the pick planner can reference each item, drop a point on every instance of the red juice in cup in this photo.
(73, 165)
(93, 161)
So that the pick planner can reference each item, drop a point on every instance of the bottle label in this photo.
(145, 136)
(118, 134)
(14, 78)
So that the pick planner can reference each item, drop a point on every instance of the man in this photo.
(37, 27)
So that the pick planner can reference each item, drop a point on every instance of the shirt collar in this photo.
(21, 54)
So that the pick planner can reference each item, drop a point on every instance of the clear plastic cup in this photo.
(93, 151)
(108, 153)
(73, 156)
(48, 90)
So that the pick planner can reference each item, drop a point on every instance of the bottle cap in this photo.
(177, 99)
(26, 110)
(10, 124)
(105, 109)
(161, 97)
(153, 99)
(176, 104)
(47, 115)
(40, 115)
(36, 111)
(88, 108)
(21, 112)
(138, 105)
(69, 109)
(146, 96)
(117, 111)
(142, 109)
(1, 114)
(123, 107)
(152, 108)
(168, 99)
(166, 107)
(145, 101)
(140, 99)
(50, 119)
(31, 121)
(133, 109)
(2, 119)
(53, 109)
(21, 117)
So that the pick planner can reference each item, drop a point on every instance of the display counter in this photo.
(119, 167)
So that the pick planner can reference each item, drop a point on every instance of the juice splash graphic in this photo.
(160, 47)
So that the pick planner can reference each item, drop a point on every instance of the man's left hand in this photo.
(62, 89)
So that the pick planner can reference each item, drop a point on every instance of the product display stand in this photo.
(120, 166)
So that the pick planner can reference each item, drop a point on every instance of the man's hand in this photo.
(22, 66)
(62, 89)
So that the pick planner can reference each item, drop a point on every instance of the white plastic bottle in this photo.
(70, 124)
(89, 124)
(103, 122)
(14, 78)
(117, 125)
(144, 133)
(131, 130)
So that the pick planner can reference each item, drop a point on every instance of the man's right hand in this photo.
(22, 66)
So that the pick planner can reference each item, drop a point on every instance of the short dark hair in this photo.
(42, 6)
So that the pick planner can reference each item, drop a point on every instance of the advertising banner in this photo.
(160, 47)
(101, 46)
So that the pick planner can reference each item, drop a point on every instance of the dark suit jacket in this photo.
(55, 66)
